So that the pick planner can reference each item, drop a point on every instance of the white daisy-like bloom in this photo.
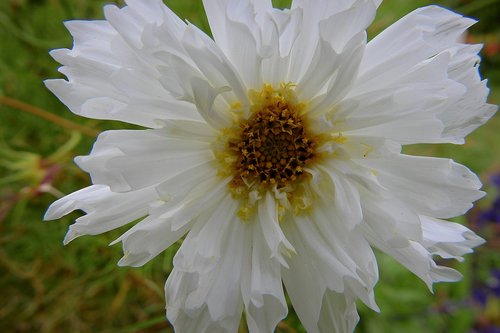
(274, 151)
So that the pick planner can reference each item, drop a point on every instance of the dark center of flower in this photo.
(273, 146)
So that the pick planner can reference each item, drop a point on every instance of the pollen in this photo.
(273, 146)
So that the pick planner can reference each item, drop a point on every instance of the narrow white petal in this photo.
(212, 62)
(434, 186)
(343, 78)
(342, 259)
(323, 19)
(209, 299)
(204, 97)
(147, 239)
(338, 313)
(133, 159)
(223, 13)
(422, 47)
(416, 258)
(113, 75)
(447, 239)
(105, 210)
(262, 289)
(345, 197)
(278, 245)
(204, 245)
(419, 35)
(320, 276)
(392, 220)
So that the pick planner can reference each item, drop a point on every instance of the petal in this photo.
(407, 111)
(416, 258)
(126, 159)
(204, 97)
(204, 245)
(342, 259)
(147, 239)
(105, 210)
(169, 221)
(220, 19)
(434, 186)
(393, 221)
(315, 11)
(471, 110)
(113, 75)
(325, 270)
(262, 288)
(447, 239)
(337, 55)
(421, 45)
(279, 246)
(345, 197)
(342, 79)
(209, 299)
(338, 313)
(214, 65)
(416, 37)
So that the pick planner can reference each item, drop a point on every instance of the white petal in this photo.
(338, 313)
(327, 261)
(323, 64)
(212, 62)
(170, 220)
(262, 289)
(147, 239)
(342, 259)
(305, 289)
(279, 246)
(407, 110)
(415, 258)
(315, 11)
(340, 28)
(188, 130)
(204, 97)
(105, 210)
(127, 159)
(190, 200)
(98, 85)
(220, 14)
(471, 110)
(392, 220)
(416, 37)
(203, 246)
(243, 52)
(209, 298)
(345, 197)
(447, 239)
(343, 78)
(434, 186)
(420, 46)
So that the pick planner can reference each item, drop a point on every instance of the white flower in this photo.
(276, 151)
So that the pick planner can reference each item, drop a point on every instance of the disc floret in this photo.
(272, 147)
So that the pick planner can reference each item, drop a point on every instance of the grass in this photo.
(50, 288)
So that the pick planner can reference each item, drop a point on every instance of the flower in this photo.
(275, 150)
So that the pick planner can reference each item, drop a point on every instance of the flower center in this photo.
(269, 150)
(273, 147)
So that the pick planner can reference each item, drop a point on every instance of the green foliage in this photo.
(78, 288)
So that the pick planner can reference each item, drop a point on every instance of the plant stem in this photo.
(25, 107)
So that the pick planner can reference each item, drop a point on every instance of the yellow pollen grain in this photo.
(236, 106)
(340, 138)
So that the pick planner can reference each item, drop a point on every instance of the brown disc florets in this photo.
(273, 147)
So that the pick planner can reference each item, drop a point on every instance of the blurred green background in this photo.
(45, 287)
